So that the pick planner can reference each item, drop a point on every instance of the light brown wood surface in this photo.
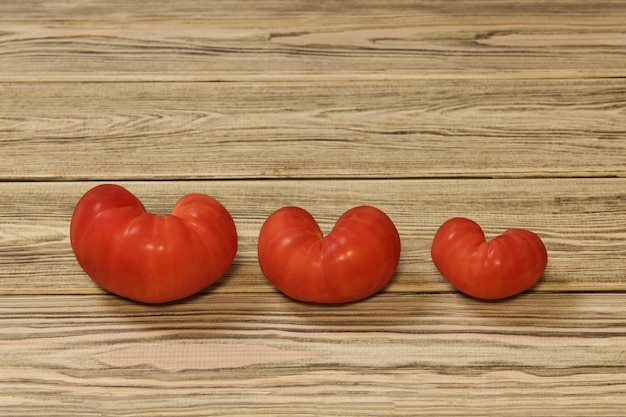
(510, 113)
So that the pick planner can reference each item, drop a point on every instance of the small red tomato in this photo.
(504, 266)
(355, 260)
(147, 257)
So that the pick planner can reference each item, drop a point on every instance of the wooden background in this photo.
(510, 113)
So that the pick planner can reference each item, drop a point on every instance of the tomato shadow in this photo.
(380, 313)
(534, 307)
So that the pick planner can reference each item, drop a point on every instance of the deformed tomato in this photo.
(147, 257)
(504, 266)
(355, 260)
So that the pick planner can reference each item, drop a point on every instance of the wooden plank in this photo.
(246, 354)
(371, 129)
(284, 40)
(76, 10)
(581, 221)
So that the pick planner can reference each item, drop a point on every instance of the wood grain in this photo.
(509, 112)
(420, 129)
(100, 41)
(395, 354)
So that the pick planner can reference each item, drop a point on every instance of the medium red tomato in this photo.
(147, 257)
(355, 260)
(504, 266)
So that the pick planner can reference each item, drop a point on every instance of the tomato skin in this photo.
(506, 265)
(354, 261)
(147, 257)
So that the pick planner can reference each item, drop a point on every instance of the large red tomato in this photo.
(355, 260)
(147, 257)
(504, 266)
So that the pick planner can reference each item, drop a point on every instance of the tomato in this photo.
(354, 261)
(504, 266)
(147, 257)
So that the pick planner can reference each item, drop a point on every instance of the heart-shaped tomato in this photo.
(355, 260)
(504, 266)
(147, 257)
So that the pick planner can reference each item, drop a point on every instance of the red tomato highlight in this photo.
(147, 257)
(506, 265)
(354, 261)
